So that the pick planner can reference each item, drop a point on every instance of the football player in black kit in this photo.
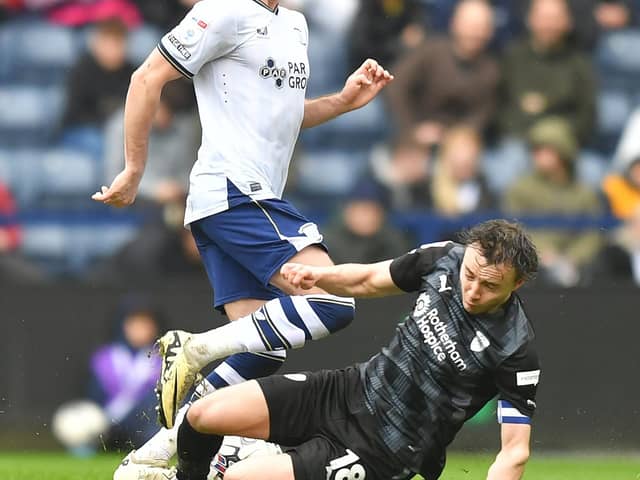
(467, 340)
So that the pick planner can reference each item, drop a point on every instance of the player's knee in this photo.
(335, 313)
(253, 468)
(237, 471)
(202, 415)
(344, 316)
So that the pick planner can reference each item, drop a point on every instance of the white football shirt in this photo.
(250, 70)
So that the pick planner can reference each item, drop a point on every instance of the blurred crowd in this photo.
(525, 109)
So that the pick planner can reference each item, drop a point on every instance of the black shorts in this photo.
(325, 426)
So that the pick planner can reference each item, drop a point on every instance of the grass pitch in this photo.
(56, 466)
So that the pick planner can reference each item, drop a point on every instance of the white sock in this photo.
(164, 444)
(236, 337)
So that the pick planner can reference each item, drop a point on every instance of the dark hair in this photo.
(504, 243)
(112, 26)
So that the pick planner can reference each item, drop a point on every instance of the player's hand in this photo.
(298, 275)
(122, 191)
(364, 84)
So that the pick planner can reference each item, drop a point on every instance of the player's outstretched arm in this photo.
(514, 453)
(142, 102)
(360, 88)
(347, 280)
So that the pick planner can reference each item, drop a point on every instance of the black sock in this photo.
(195, 452)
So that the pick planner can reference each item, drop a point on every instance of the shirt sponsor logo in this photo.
(263, 32)
(434, 332)
(182, 50)
(295, 75)
(532, 377)
(479, 342)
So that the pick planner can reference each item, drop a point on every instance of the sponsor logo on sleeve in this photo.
(190, 31)
(182, 50)
(531, 377)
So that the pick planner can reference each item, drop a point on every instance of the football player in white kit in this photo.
(248, 60)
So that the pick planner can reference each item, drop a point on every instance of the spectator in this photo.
(362, 234)
(160, 249)
(384, 30)
(173, 144)
(508, 16)
(14, 268)
(457, 186)
(619, 259)
(553, 190)
(96, 87)
(124, 376)
(447, 80)
(623, 190)
(404, 172)
(544, 75)
(596, 17)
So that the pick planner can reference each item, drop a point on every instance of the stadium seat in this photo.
(616, 53)
(141, 43)
(614, 106)
(356, 130)
(327, 57)
(68, 173)
(6, 172)
(29, 115)
(42, 55)
(618, 66)
(329, 172)
(44, 240)
(38, 176)
(64, 247)
(19, 169)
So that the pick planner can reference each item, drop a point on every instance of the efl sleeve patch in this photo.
(201, 36)
(507, 413)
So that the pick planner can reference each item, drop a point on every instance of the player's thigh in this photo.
(263, 235)
(236, 410)
(311, 255)
(269, 467)
(236, 290)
